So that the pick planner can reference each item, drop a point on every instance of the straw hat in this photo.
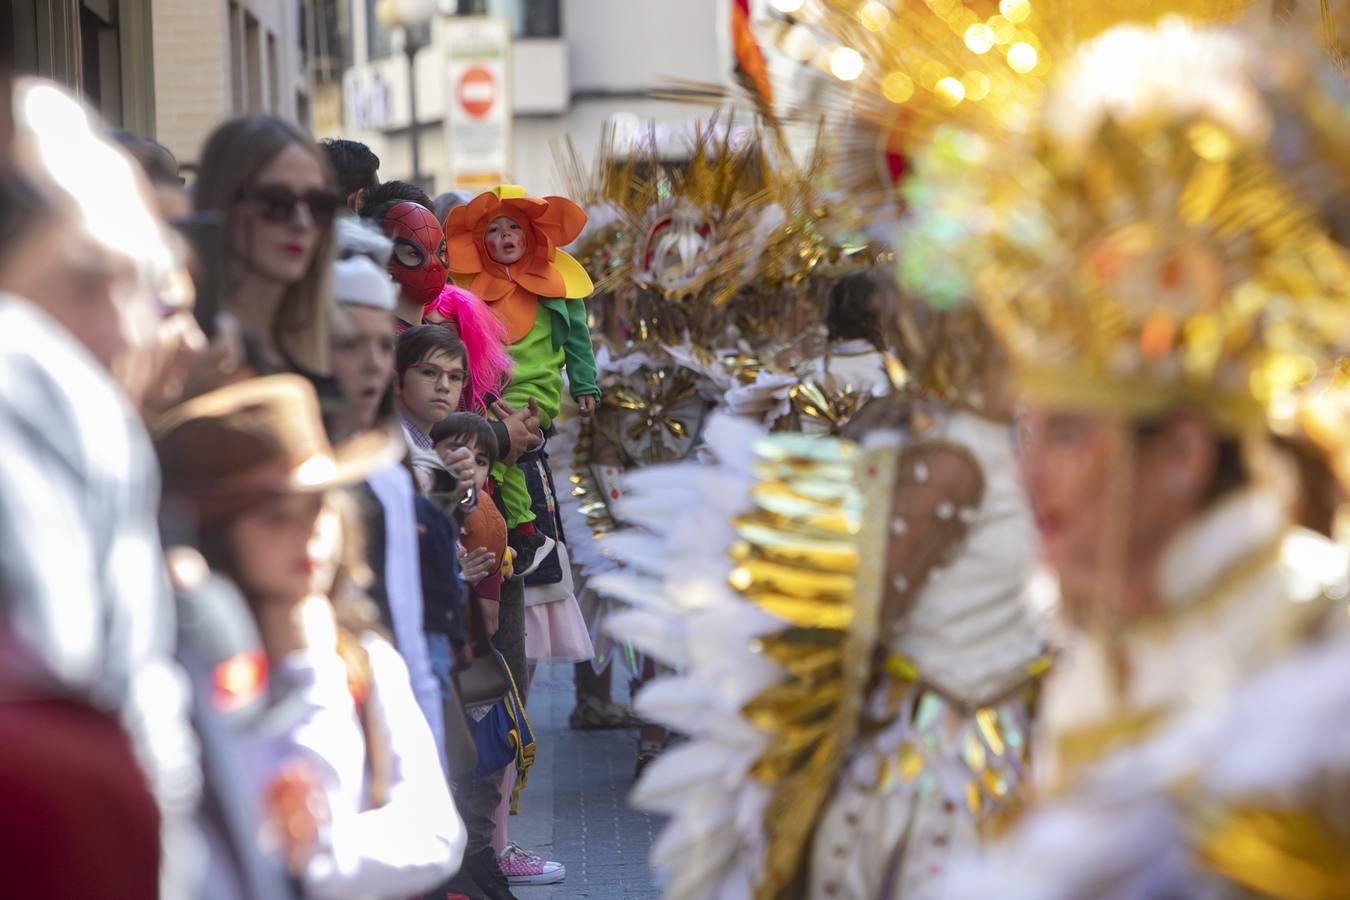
(260, 436)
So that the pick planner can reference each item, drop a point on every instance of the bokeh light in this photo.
(951, 91)
(1015, 10)
(980, 38)
(874, 15)
(846, 64)
(897, 87)
(1022, 57)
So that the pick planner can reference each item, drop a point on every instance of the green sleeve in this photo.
(579, 352)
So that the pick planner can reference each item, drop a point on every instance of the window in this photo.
(253, 63)
(238, 83)
(101, 64)
(378, 44)
(538, 19)
(273, 75)
(528, 18)
(303, 115)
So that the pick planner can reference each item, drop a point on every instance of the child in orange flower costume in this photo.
(505, 247)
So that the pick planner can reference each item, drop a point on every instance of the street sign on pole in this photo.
(478, 99)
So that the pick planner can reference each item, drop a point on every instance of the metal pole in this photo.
(410, 49)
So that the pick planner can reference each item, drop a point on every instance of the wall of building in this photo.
(192, 75)
(98, 48)
(614, 45)
(611, 54)
(218, 58)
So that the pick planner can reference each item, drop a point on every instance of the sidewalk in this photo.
(574, 808)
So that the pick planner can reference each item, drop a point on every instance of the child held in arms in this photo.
(505, 247)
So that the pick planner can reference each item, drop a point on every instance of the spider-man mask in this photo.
(418, 261)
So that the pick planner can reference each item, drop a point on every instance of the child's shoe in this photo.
(530, 549)
(520, 866)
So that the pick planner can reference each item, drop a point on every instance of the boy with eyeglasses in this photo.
(431, 367)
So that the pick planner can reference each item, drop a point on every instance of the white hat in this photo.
(359, 237)
(358, 281)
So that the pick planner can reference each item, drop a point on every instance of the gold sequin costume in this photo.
(810, 753)
(710, 251)
(855, 667)
(1156, 240)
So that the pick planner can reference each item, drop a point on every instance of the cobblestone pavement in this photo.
(574, 809)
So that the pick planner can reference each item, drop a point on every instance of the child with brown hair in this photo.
(356, 790)
(484, 533)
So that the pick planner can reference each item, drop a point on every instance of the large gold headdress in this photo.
(1156, 239)
(1182, 258)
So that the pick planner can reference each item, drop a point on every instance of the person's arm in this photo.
(442, 581)
(579, 353)
(415, 840)
(394, 488)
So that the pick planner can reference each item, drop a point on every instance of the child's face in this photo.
(285, 548)
(482, 463)
(430, 389)
(363, 360)
(505, 240)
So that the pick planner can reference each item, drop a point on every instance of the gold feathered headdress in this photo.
(1143, 235)
(1155, 239)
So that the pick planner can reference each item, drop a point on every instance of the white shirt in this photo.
(393, 487)
(414, 841)
(857, 364)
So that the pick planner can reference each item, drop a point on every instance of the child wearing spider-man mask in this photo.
(506, 248)
(418, 261)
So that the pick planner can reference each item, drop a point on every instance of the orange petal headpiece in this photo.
(545, 270)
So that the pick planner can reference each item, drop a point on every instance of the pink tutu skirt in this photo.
(555, 629)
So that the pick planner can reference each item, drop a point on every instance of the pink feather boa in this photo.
(484, 338)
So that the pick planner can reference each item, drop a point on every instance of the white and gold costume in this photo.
(1154, 241)
(856, 666)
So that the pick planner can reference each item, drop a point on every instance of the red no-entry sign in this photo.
(476, 91)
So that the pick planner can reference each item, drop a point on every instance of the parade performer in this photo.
(813, 770)
(856, 665)
(1160, 272)
(702, 243)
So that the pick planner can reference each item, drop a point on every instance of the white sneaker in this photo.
(520, 866)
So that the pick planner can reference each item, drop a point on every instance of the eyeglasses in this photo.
(434, 373)
(277, 204)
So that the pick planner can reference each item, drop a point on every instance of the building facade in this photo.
(572, 64)
(172, 69)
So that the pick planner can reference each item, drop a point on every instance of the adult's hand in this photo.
(586, 405)
(522, 428)
(223, 361)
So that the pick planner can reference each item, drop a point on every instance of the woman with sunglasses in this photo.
(271, 185)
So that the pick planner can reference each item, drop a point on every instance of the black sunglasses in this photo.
(277, 204)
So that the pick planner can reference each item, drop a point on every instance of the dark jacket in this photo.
(442, 586)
